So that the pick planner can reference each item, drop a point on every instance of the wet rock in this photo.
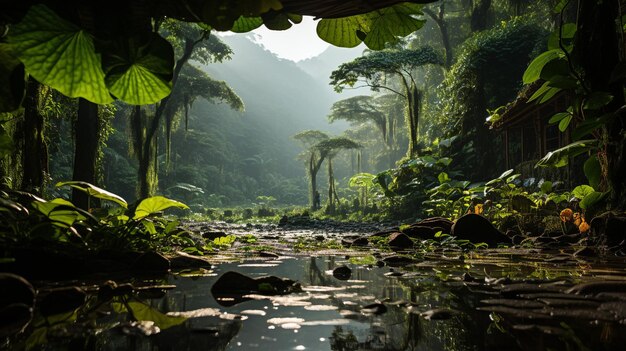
(185, 260)
(585, 252)
(111, 289)
(153, 292)
(230, 288)
(400, 241)
(585, 314)
(393, 273)
(515, 303)
(398, 261)
(385, 233)
(17, 298)
(360, 241)
(342, 272)
(569, 303)
(375, 309)
(438, 223)
(419, 232)
(466, 277)
(152, 262)
(438, 314)
(266, 254)
(525, 288)
(212, 235)
(516, 312)
(598, 287)
(477, 229)
(61, 300)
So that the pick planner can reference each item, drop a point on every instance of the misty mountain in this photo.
(320, 67)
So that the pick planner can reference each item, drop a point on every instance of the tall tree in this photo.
(442, 24)
(313, 158)
(190, 42)
(329, 148)
(364, 109)
(34, 153)
(192, 85)
(376, 69)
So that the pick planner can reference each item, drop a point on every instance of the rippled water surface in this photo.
(501, 301)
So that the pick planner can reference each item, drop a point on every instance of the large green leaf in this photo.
(94, 191)
(246, 24)
(375, 28)
(59, 54)
(138, 72)
(593, 171)
(59, 211)
(11, 79)
(591, 199)
(560, 157)
(581, 191)
(390, 23)
(533, 72)
(156, 204)
(342, 31)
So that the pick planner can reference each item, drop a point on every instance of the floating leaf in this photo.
(94, 191)
(156, 204)
(140, 73)
(59, 54)
(143, 312)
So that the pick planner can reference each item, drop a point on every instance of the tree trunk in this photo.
(443, 30)
(35, 153)
(480, 16)
(331, 187)
(86, 149)
(413, 101)
(597, 34)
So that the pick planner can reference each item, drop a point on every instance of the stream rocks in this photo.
(399, 241)
(232, 287)
(477, 228)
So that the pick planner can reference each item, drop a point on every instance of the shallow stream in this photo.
(492, 300)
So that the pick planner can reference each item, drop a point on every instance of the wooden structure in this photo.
(527, 134)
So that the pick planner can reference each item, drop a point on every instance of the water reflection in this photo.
(429, 306)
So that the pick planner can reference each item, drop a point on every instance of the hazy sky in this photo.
(296, 43)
